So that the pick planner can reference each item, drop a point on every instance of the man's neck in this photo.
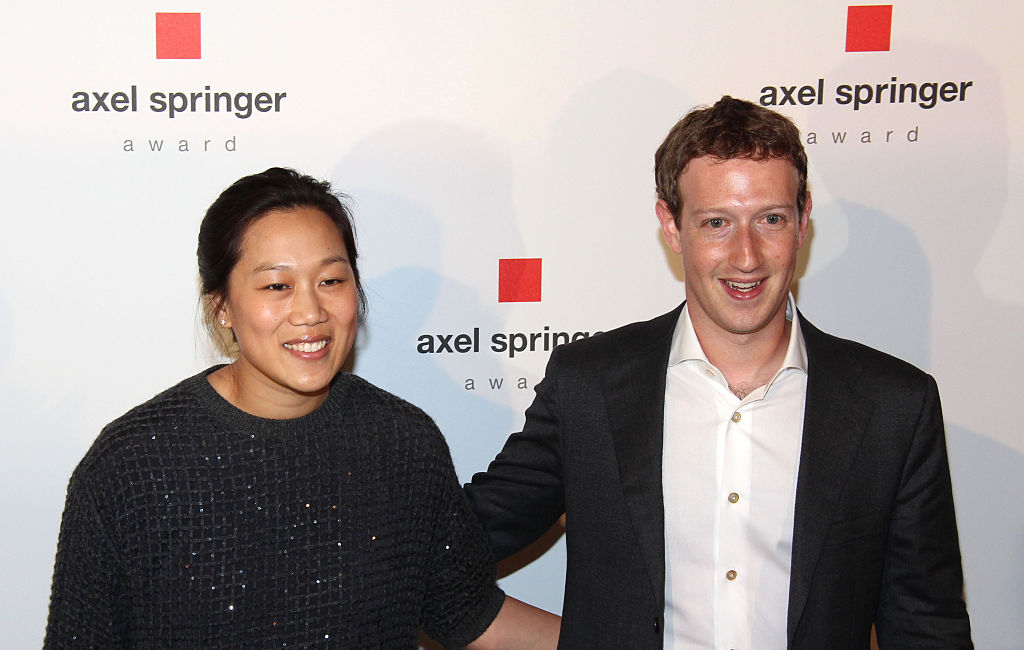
(748, 361)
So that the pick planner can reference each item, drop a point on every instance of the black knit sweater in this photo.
(191, 524)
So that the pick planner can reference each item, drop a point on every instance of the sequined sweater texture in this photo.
(191, 524)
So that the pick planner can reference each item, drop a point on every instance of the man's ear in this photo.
(805, 221)
(668, 226)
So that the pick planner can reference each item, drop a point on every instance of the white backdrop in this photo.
(470, 132)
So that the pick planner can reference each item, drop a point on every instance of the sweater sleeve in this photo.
(88, 599)
(462, 598)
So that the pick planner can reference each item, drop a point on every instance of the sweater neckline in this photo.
(319, 419)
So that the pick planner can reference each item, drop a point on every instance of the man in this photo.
(732, 477)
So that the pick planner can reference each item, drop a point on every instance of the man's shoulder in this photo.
(842, 355)
(642, 340)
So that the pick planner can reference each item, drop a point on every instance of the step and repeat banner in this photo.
(499, 157)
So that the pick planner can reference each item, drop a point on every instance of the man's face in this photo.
(738, 233)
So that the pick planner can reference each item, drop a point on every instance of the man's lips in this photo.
(742, 287)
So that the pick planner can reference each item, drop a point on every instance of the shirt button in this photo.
(709, 372)
(730, 575)
(733, 497)
(736, 416)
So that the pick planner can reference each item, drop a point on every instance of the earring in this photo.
(223, 323)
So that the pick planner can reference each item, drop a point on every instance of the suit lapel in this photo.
(634, 390)
(835, 417)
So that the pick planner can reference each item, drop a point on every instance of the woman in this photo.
(277, 501)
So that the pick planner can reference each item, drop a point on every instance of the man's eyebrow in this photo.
(714, 209)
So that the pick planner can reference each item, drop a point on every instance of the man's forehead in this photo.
(713, 184)
(710, 160)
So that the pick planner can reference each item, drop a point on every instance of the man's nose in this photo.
(746, 250)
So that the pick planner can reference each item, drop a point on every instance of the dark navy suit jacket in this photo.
(874, 539)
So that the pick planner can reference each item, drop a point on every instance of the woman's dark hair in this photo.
(227, 220)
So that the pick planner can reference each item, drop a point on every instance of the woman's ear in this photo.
(221, 311)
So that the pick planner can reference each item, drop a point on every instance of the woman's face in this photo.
(293, 306)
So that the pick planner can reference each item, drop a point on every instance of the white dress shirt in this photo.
(729, 476)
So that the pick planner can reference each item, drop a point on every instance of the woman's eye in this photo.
(330, 282)
(277, 286)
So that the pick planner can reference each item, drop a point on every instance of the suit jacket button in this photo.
(657, 626)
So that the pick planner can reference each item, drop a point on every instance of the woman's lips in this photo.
(307, 346)
(311, 348)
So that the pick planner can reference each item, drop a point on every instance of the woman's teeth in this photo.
(306, 346)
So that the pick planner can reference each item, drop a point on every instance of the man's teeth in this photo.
(306, 346)
(743, 286)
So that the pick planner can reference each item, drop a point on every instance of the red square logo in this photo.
(519, 280)
(868, 28)
(177, 36)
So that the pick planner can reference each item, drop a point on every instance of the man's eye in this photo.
(277, 286)
(773, 219)
(716, 223)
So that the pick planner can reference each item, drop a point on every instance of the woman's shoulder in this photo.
(385, 414)
(175, 403)
(172, 410)
(363, 396)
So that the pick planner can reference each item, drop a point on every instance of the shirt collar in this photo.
(686, 347)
